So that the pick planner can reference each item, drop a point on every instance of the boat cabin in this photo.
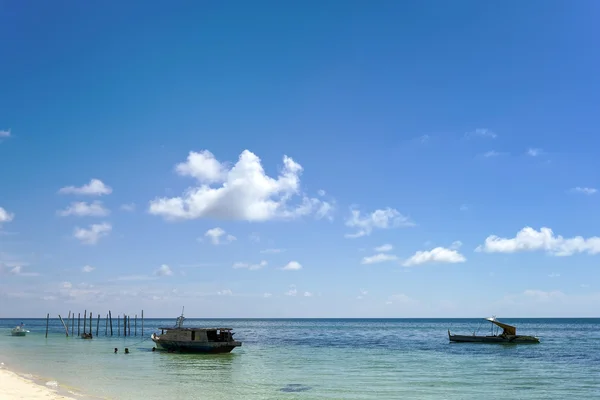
(507, 330)
(197, 334)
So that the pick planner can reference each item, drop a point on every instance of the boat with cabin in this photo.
(508, 335)
(195, 340)
(19, 330)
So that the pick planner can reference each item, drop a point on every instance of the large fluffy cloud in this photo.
(240, 192)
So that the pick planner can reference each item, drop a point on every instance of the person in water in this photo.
(116, 350)
(126, 350)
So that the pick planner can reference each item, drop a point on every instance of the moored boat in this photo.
(508, 335)
(19, 330)
(195, 340)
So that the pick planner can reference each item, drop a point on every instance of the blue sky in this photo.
(300, 159)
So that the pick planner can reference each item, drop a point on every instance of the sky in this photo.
(300, 158)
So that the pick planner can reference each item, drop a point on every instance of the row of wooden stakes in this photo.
(108, 324)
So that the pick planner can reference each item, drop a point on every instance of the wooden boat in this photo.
(19, 330)
(508, 335)
(195, 340)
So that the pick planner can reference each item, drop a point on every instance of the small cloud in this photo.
(378, 258)
(218, 236)
(87, 268)
(128, 207)
(83, 209)
(292, 266)
(67, 285)
(95, 188)
(492, 153)
(534, 152)
(18, 270)
(164, 270)
(481, 132)
(384, 248)
(554, 275)
(464, 207)
(5, 216)
(93, 234)
(584, 190)
(308, 294)
(272, 251)
(362, 294)
(436, 255)
(424, 139)
(456, 245)
(4, 133)
(379, 219)
(226, 292)
(267, 295)
(321, 192)
(251, 267)
(292, 291)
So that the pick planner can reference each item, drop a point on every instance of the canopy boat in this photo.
(195, 340)
(19, 330)
(508, 335)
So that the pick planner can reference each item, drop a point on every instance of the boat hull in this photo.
(19, 333)
(201, 348)
(493, 339)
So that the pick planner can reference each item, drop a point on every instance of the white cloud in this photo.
(83, 209)
(584, 190)
(481, 132)
(87, 268)
(321, 192)
(384, 248)
(4, 133)
(528, 239)
(218, 236)
(251, 267)
(93, 234)
(363, 293)
(292, 266)
(95, 188)
(292, 292)
(226, 292)
(67, 285)
(128, 207)
(242, 192)
(438, 254)
(164, 270)
(456, 245)
(272, 251)
(492, 153)
(534, 152)
(5, 216)
(267, 295)
(308, 294)
(378, 258)
(553, 275)
(18, 270)
(379, 219)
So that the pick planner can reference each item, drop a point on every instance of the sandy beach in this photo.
(12, 386)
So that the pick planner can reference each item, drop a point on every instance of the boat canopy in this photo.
(508, 329)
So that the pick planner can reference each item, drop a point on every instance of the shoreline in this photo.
(18, 385)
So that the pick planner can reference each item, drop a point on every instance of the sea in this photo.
(314, 359)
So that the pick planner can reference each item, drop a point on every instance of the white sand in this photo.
(12, 386)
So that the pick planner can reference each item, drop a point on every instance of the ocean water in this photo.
(319, 359)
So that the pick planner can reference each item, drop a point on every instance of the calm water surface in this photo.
(320, 359)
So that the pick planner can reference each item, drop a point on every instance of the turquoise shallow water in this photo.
(321, 359)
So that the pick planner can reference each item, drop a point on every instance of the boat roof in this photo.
(511, 330)
(175, 328)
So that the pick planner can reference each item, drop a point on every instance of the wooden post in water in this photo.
(84, 320)
(142, 322)
(110, 320)
(78, 323)
(124, 325)
(91, 328)
(72, 323)
(129, 325)
(47, 320)
(106, 326)
(135, 324)
(97, 324)
(64, 326)
(118, 325)
(69, 317)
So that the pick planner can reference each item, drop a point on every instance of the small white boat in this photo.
(508, 335)
(19, 330)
